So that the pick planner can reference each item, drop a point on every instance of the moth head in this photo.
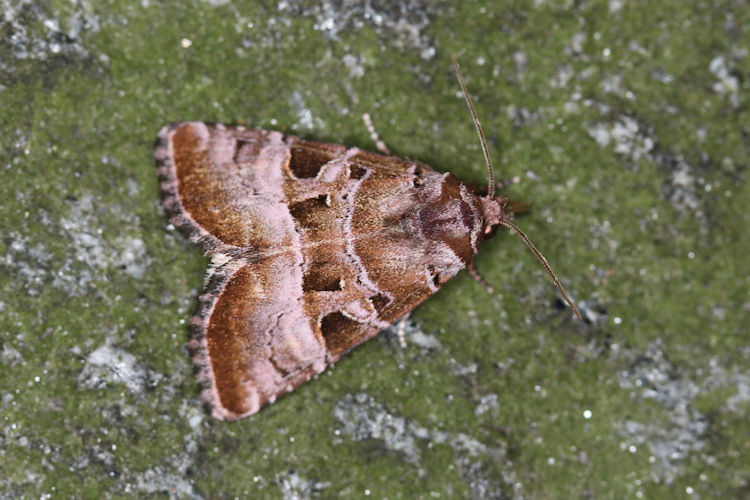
(494, 212)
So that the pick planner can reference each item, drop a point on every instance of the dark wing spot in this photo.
(436, 280)
(356, 172)
(321, 277)
(239, 145)
(307, 212)
(339, 332)
(418, 179)
(307, 158)
(435, 275)
(380, 302)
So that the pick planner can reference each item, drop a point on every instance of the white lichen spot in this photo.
(487, 403)
(132, 258)
(162, 480)
(615, 6)
(680, 433)
(295, 487)
(363, 418)
(354, 65)
(402, 23)
(108, 365)
(35, 31)
(682, 191)
(96, 255)
(625, 136)
(424, 340)
(305, 119)
(10, 356)
(727, 84)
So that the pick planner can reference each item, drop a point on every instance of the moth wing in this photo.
(223, 186)
(309, 259)
(258, 335)
(228, 188)
(250, 340)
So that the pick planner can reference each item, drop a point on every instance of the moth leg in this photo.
(374, 135)
(401, 329)
(478, 277)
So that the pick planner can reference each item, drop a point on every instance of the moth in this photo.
(314, 249)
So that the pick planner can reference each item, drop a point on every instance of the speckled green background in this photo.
(628, 125)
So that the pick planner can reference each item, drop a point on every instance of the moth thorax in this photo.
(447, 220)
(449, 223)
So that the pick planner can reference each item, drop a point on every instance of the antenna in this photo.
(490, 172)
(543, 260)
(491, 194)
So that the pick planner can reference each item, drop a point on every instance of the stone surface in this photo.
(627, 124)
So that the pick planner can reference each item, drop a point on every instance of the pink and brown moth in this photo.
(314, 249)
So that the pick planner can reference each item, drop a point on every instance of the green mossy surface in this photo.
(494, 395)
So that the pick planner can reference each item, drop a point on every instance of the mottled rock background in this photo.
(628, 126)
